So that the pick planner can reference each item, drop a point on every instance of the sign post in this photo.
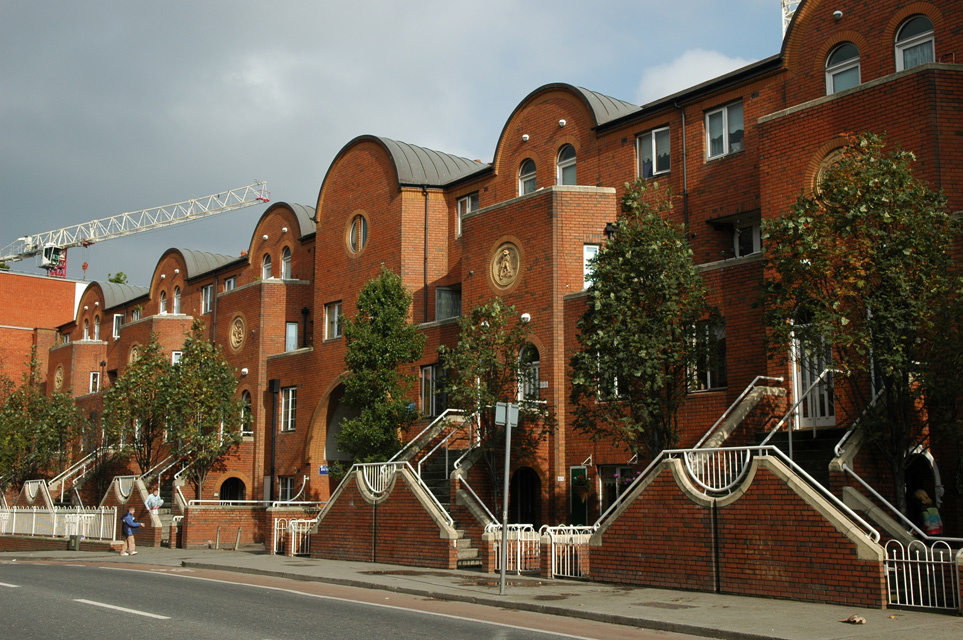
(506, 414)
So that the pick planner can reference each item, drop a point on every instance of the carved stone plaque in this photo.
(238, 330)
(505, 265)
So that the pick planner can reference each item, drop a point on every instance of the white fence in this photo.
(298, 531)
(923, 577)
(522, 544)
(569, 550)
(99, 523)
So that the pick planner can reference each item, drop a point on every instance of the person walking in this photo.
(128, 528)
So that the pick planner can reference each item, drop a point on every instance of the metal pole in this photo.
(508, 448)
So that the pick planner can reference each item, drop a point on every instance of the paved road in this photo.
(74, 600)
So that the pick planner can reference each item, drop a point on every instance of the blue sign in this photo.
(323, 470)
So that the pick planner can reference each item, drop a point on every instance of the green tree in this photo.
(117, 278)
(205, 415)
(135, 406)
(863, 264)
(36, 430)
(487, 366)
(637, 336)
(379, 339)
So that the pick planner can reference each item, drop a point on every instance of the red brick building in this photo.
(735, 150)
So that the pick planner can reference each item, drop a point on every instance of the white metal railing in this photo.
(97, 523)
(718, 470)
(76, 471)
(732, 407)
(255, 503)
(923, 577)
(838, 450)
(379, 475)
(523, 548)
(910, 525)
(301, 536)
(280, 535)
(569, 550)
(126, 484)
(792, 410)
(464, 483)
(413, 442)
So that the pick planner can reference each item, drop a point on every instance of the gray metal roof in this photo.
(419, 166)
(305, 216)
(604, 108)
(118, 294)
(200, 262)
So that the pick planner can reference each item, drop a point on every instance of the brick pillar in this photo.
(545, 557)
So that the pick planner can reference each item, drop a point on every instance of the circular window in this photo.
(357, 233)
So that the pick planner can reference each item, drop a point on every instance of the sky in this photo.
(108, 107)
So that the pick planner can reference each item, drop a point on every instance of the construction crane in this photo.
(52, 246)
(788, 8)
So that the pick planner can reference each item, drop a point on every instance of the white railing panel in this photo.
(923, 577)
(99, 523)
(570, 550)
(301, 536)
(523, 548)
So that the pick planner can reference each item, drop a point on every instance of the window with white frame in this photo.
(290, 336)
(176, 356)
(135, 315)
(747, 238)
(358, 233)
(710, 369)
(653, 152)
(163, 302)
(286, 264)
(96, 327)
(447, 302)
(230, 283)
(914, 43)
(589, 251)
(528, 373)
(177, 299)
(266, 267)
(527, 179)
(724, 130)
(566, 165)
(247, 424)
(289, 408)
(94, 381)
(332, 320)
(207, 298)
(118, 323)
(285, 488)
(842, 68)
(466, 205)
(432, 396)
(86, 329)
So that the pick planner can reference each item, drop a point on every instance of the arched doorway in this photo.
(337, 413)
(922, 473)
(232, 489)
(525, 498)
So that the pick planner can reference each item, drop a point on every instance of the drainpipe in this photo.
(685, 177)
(424, 192)
(274, 385)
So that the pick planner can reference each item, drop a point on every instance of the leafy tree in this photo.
(117, 278)
(863, 264)
(36, 430)
(204, 414)
(135, 406)
(487, 366)
(380, 339)
(637, 335)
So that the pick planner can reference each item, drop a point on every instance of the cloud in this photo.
(687, 70)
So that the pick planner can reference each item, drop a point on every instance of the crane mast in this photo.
(52, 244)
(788, 8)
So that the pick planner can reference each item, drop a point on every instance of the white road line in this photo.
(12, 586)
(134, 611)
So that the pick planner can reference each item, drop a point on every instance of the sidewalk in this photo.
(703, 614)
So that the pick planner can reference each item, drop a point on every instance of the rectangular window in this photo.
(465, 206)
(289, 408)
(332, 320)
(94, 381)
(710, 371)
(207, 298)
(176, 356)
(285, 488)
(589, 251)
(434, 401)
(135, 315)
(724, 130)
(654, 156)
(118, 323)
(447, 302)
(230, 283)
(747, 239)
(290, 336)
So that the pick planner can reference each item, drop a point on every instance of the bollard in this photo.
(237, 541)
(217, 540)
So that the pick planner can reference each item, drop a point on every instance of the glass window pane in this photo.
(735, 127)
(920, 54)
(662, 150)
(845, 79)
(715, 134)
(645, 156)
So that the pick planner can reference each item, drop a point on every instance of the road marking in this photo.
(134, 611)
(12, 586)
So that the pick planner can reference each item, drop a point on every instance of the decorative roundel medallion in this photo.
(238, 330)
(505, 265)
(59, 377)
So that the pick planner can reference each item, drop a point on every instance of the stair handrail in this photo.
(838, 450)
(445, 441)
(725, 414)
(463, 482)
(899, 514)
(382, 469)
(78, 467)
(792, 409)
(411, 443)
(161, 467)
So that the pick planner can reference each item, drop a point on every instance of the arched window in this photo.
(266, 267)
(914, 43)
(86, 329)
(177, 299)
(528, 373)
(566, 165)
(163, 302)
(358, 233)
(526, 178)
(285, 264)
(247, 427)
(842, 68)
(96, 327)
